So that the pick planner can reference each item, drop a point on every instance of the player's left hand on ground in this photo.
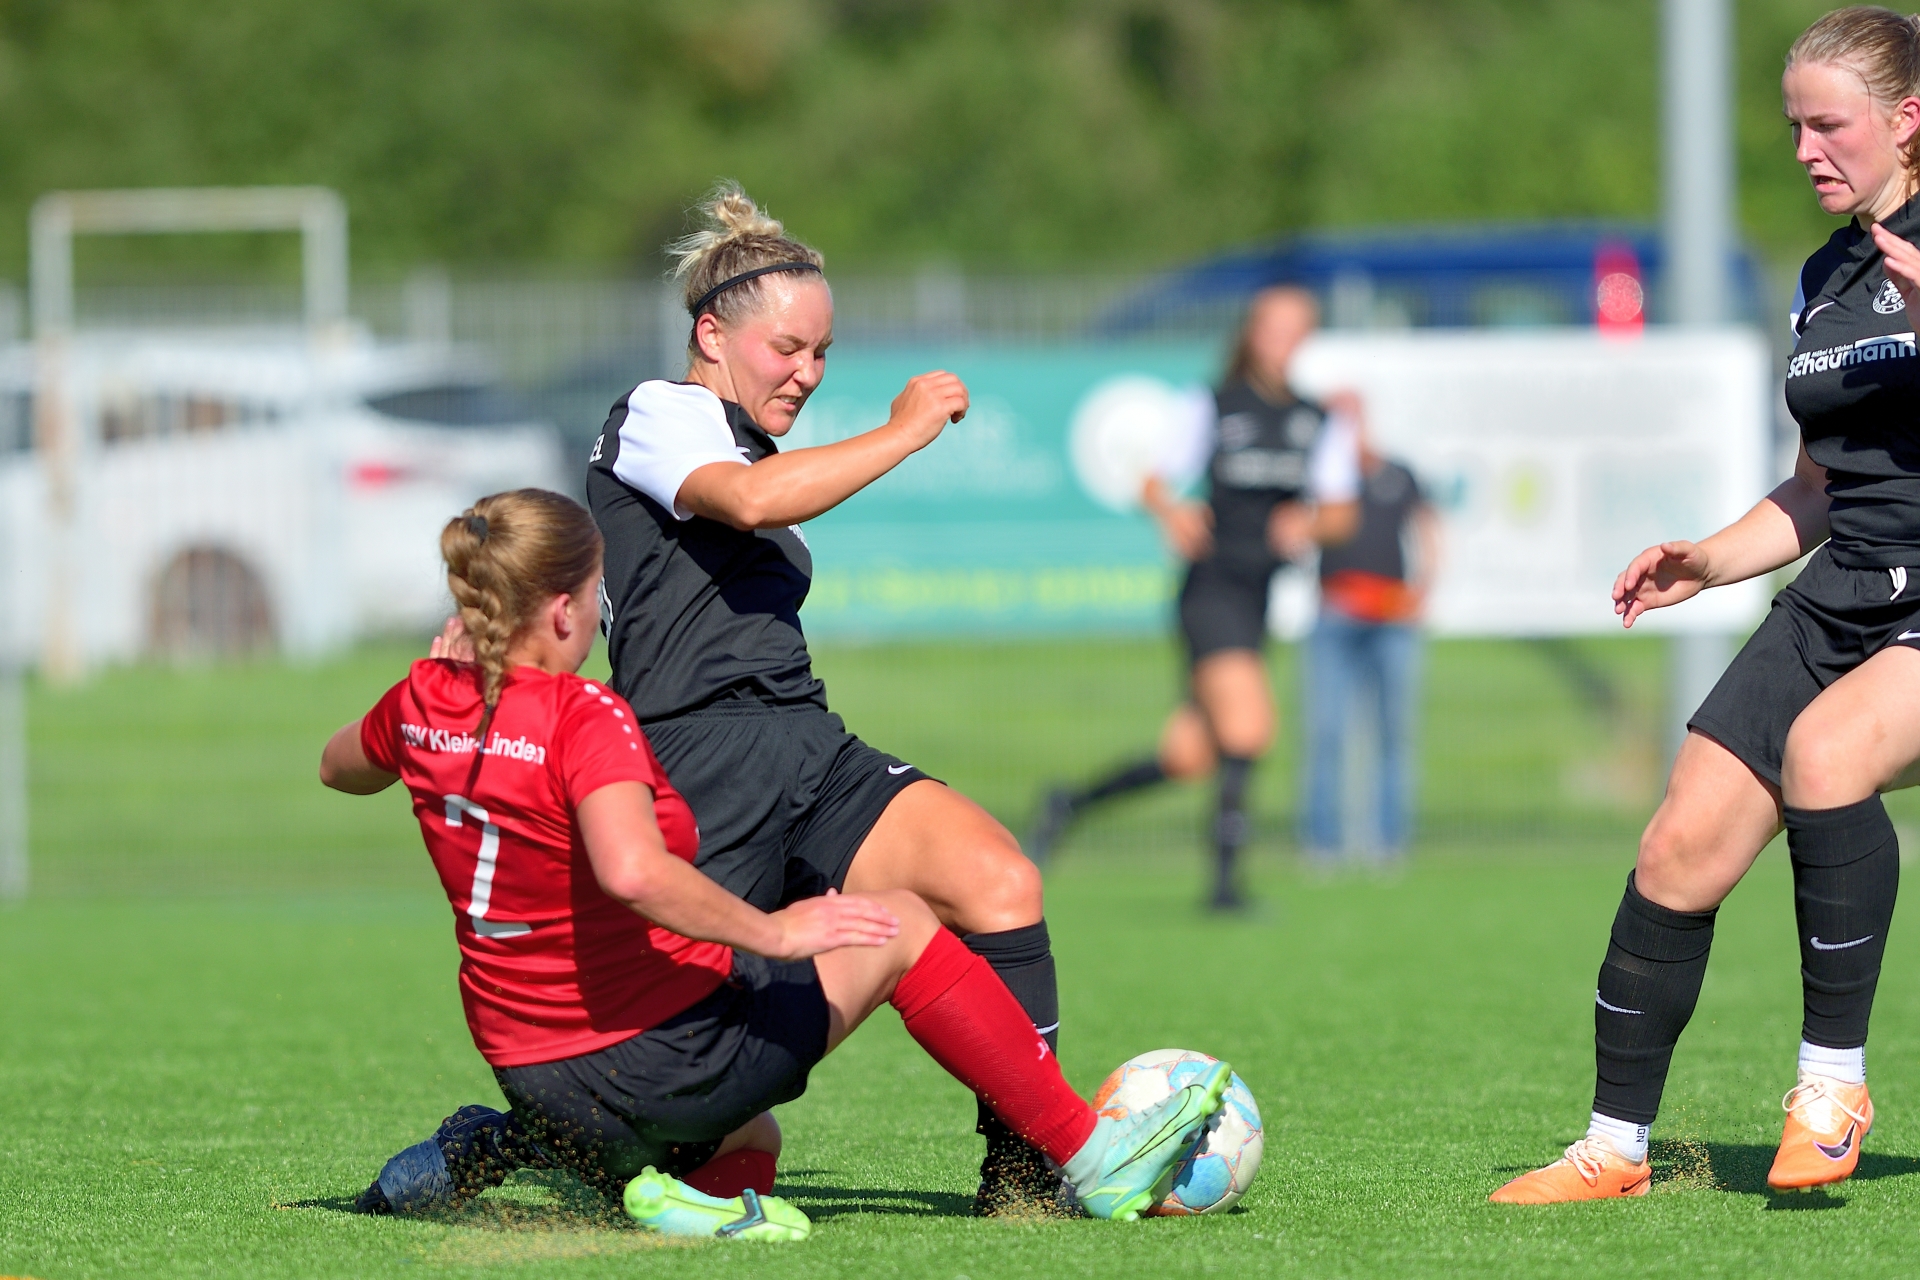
(452, 642)
(1902, 261)
(813, 925)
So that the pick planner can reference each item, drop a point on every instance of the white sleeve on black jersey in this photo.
(1799, 304)
(671, 428)
(1187, 443)
(1333, 468)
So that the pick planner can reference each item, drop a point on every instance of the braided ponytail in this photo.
(1879, 45)
(507, 555)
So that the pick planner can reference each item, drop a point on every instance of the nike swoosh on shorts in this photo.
(1908, 635)
(897, 769)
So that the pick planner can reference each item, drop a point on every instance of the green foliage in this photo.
(988, 133)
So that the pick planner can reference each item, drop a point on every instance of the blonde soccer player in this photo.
(639, 1018)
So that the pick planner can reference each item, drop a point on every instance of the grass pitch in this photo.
(234, 998)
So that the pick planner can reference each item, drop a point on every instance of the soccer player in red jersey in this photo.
(639, 1018)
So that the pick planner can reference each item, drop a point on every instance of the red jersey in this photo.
(550, 966)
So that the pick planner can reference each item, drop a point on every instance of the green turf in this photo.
(235, 998)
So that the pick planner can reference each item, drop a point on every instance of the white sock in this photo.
(1628, 1138)
(1849, 1066)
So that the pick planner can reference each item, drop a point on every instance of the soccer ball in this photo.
(1220, 1170)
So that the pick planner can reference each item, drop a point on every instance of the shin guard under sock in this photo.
(1230, 822)
(1649, 984)
(1133, 777)
(1846, 872)
(964, 1017)
(728, 1175)
(1023, 958)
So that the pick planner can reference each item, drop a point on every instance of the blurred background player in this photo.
(1363, 655)
(706, 573)
(1816, 715)
(638, 1017)
(1282, 473)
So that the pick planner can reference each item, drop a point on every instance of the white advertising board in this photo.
(1555, 457)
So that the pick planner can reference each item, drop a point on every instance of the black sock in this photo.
(1230, 821)
(1649, 984)
(1846, 873)
(1024, 960)
(1133, 777)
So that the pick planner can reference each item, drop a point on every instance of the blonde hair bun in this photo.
(735, 235)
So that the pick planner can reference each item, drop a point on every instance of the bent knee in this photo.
(1684, 867)
(762, 1133)
(1825, 766)
(1247, 743)
(1012, 891)
(1005, 891)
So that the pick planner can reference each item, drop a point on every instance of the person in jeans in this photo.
(1365, 646)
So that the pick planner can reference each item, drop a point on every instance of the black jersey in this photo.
(1853, 385)
(1260, 460)
(1388, 499)
(694, 610)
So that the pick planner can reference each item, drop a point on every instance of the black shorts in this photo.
(783, 795)
(1825, 623)
(667, 1096)
(1223, 608)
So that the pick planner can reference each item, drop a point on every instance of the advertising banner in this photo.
(991, 528)
(1552, 456)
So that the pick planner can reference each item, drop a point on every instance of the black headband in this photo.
(742, 278)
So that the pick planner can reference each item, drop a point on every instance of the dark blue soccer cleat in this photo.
(473, 1149)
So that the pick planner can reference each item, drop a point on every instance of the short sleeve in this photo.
(1798, 305)
(380, 730)
(1333, 468)
(600, 743)
(1188, 441)
(670, 430)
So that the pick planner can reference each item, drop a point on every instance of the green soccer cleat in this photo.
(671, 1207)
(1134, 1164)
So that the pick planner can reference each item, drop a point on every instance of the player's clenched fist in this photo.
(928, 404)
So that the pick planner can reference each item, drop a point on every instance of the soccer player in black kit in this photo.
(1282, 473)
(1817, 715)
(706, 570)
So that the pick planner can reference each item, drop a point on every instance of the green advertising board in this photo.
(991, 528)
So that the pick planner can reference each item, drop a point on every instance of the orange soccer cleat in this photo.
(1826, 1121)
(1591, 1170)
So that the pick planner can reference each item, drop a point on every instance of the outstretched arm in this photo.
(790, 488)
(631, 863)
(1782, 527)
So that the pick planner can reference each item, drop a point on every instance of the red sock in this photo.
(963, 1015)
(728, 1175)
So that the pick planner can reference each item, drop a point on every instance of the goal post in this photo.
(317, 214)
